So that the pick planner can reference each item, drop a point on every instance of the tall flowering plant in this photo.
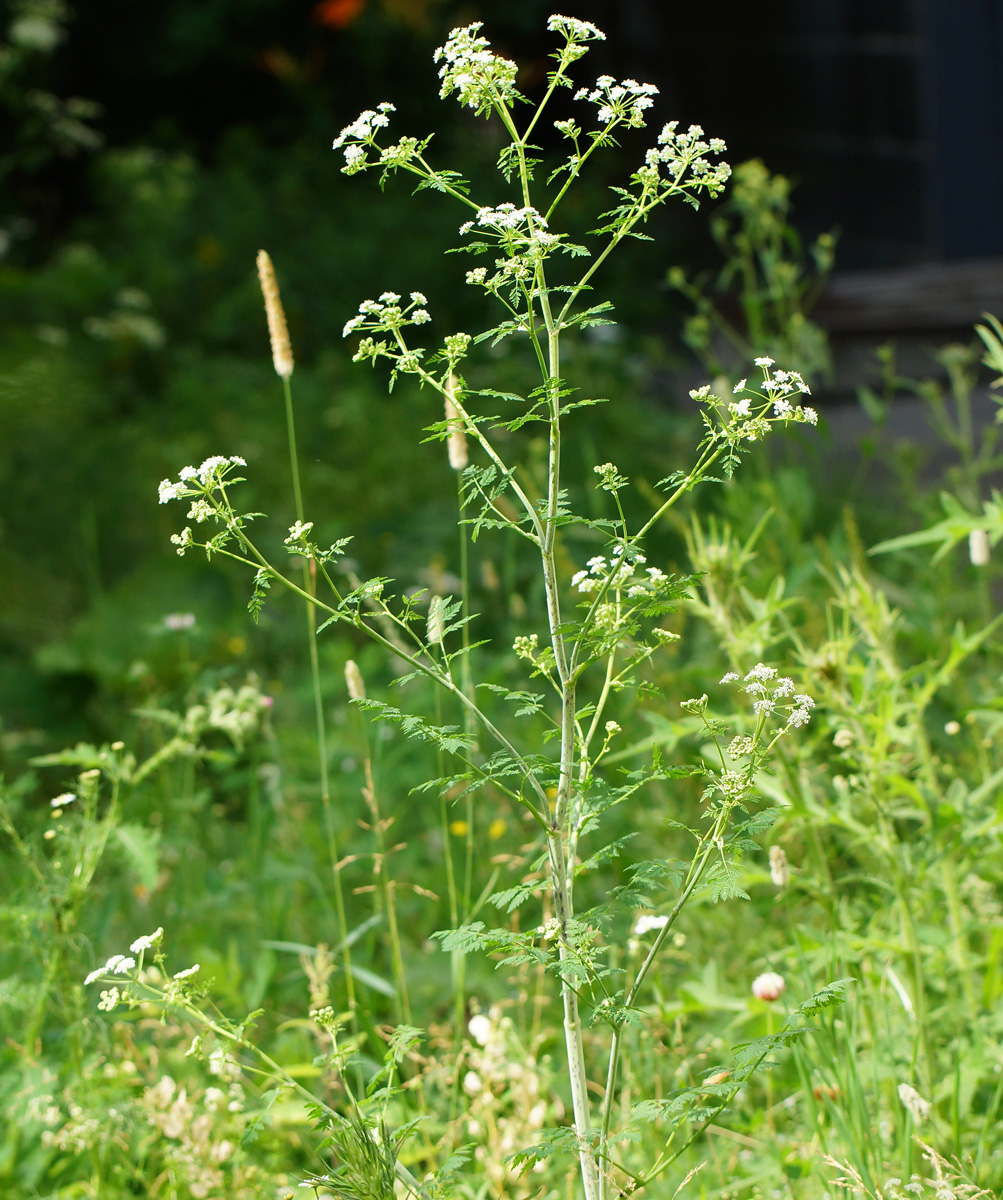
(598, 626)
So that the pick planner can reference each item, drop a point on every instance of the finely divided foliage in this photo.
(594, 634)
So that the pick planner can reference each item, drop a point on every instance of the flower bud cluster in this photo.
(620, 102)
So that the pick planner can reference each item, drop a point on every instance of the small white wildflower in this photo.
(575, 30)
(731, 677)
(147, 942)
(188, 972)
(843, 739)
(612, 727)
(63, 799)
(647, 922)
(761, 673)
(298, 531)
(170, 491)
(764, 362)
(472, 1084)
(951, 729)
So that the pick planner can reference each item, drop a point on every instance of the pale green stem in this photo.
(318, 706)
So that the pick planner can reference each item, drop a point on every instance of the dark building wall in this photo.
(888, 112)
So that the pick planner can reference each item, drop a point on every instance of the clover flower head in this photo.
(769, 986)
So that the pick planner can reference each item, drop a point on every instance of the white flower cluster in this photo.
(118, 964)
(620, 571)
(361, 133)
(624, 101)
(387, 314)
(750, 416)
(211, 471)
(682, 152)
(507, 216)
(779, 385)
(470, 68)
(299, 531)
(769, 690)
(522, 233)
(575, 30)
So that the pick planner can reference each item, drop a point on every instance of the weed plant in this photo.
(599, 1017)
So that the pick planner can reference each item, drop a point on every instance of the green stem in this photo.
(309, 589)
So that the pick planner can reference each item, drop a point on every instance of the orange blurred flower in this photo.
(338, 13)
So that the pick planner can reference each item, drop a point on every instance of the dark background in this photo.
(889, 112)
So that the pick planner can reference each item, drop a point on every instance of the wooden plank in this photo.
(951, 295)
